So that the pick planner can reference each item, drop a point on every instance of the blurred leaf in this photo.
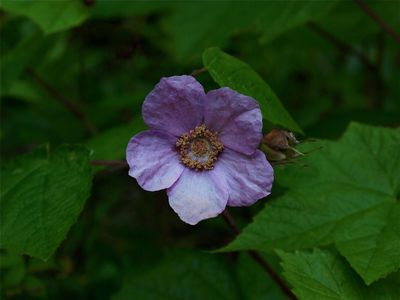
(186, 274)
(278, 18)
(346, 194)
(52, 16)
(322, 275)
(113, 9)
(335, 122)
(15, 61)
(217, 23)
(351, 16)
(220, 20)
(37, 265)
(183, 276)
(24, 90)
(229, 71)
(112, 143)
(12, 269)
(41, 197)
(35, 287)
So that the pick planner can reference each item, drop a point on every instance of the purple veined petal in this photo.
(153, 160)
(197, 196)
(174, 105)
(249, 178)
(236, 117)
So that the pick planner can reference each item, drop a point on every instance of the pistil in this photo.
(199, 148)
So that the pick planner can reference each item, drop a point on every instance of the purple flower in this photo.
(201, 147)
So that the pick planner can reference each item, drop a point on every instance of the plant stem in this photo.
(70, 105)
(374, 16)
(260, 260)
(198, 72)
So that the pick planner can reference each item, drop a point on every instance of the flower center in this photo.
(199, 148)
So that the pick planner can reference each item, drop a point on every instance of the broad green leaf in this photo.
(112, 143)
(183, 276)
(52, 16)
(229, 71)
(323, 274)
(347, 194)
(42, 194)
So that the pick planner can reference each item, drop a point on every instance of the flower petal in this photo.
(249, 178)
(153, 160)
(198, 195)
(236, 117)
(174, 105)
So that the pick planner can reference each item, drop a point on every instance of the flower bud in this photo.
(278, 145)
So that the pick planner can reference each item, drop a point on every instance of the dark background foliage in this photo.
(78, 74)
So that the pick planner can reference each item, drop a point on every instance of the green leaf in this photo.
(42, 195)
(324, 275)
(183, 276)
(346, 194)
(229, 71)
(112, 143)
(51, 16)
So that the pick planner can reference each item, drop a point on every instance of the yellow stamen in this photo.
(199, 148)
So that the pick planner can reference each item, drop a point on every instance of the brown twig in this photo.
(70, 105)
(231, 222)
(260, 260)
(374, 16)
(198, 72)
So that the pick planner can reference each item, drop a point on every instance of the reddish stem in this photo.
(374, 16)
(198, 72)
